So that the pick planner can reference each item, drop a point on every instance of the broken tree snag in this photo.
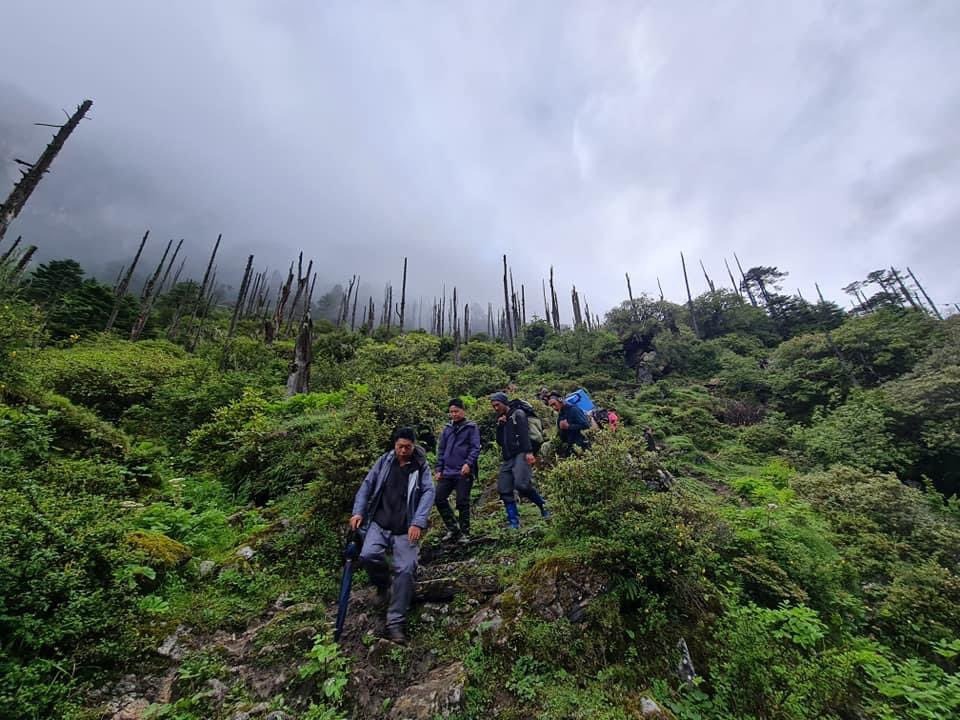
(10, 250)
(121, 290)
(709, 281)
(546, 306)
(693, 317)
(523, 306)
(166, 273)
(456, 329)
(23, 262)
(150, 291)
(280, 306)
(903, 288)
(736, 288)
(466, 322)
(31, 177)
(506, 304)
(745, 285)
(660, 288)
(555, 306)
(299, 379)
(370, 315)
(633, 303)
(917, 283)
(575, 301)
(201, 294)
(302, 281)
(403, 295)
(353, 314)
(241, 296)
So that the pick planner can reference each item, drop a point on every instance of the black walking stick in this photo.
(350, 554)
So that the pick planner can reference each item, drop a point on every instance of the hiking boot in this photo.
(544, 513)
(463, 539)
(395, 634)
(450, 536)
(513, 516)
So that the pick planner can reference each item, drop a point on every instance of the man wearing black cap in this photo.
(516, 468)
(457, 455)
(393, 506)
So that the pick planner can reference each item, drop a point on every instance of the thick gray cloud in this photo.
(598, 137)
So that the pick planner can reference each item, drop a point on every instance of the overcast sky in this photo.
(600, 137)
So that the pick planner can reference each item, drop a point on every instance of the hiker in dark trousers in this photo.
(393, 505)
(571, 422)
(457, 455)
(516, 468)
(649, 439)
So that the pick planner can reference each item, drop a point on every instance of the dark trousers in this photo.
(462, 485)
(377, 543)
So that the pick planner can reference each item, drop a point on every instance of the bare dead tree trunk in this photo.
(633, 303)
(917, 283)
(554, 304)
(586, 311)
(35, 171)
(150, 291)
(546, 306)
(456, 328)
(302, 282)
(490, 320)
(280, 307)
(299, 379)
(736, 287)
(523, 307)
(166, 273)
(746, 285)
(10, 250)
(506, 304)
(371, 316)
(23, 262)
(353, 314)
(121, 290)
(660, 288)
(241, 296)
(403, 295)
(466, 322)
(709, 281)
(203, 290)
(903, 288)
(693, 317)
(577, 317)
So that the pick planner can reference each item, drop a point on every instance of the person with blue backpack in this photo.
(571, 422)
(457, 454)
(517, 456)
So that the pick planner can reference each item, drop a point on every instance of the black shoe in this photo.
(395, 634)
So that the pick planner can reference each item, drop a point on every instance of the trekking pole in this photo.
(350, 553)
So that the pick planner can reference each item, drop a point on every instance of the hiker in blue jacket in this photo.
(457, 455)
(571, 422)
(393, 506)
(516, 468)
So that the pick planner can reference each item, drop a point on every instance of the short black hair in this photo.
(405, 433)
(455, 402)
(554, 394)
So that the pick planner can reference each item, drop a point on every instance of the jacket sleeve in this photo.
(366, 488)
(474, 452)
(578, 419)
(522, 428)
(442, 448)
(421, 518)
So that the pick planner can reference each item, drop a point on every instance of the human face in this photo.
(457, 414)
(555, 403)
(403, 448)
(498, 407)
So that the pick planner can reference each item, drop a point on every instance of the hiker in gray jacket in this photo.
(393, 506)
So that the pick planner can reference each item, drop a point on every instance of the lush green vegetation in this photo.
(808, 551)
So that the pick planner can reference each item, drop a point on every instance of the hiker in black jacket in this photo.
(516, 468)
(457, 455)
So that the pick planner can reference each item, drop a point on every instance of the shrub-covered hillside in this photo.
(170, 541)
